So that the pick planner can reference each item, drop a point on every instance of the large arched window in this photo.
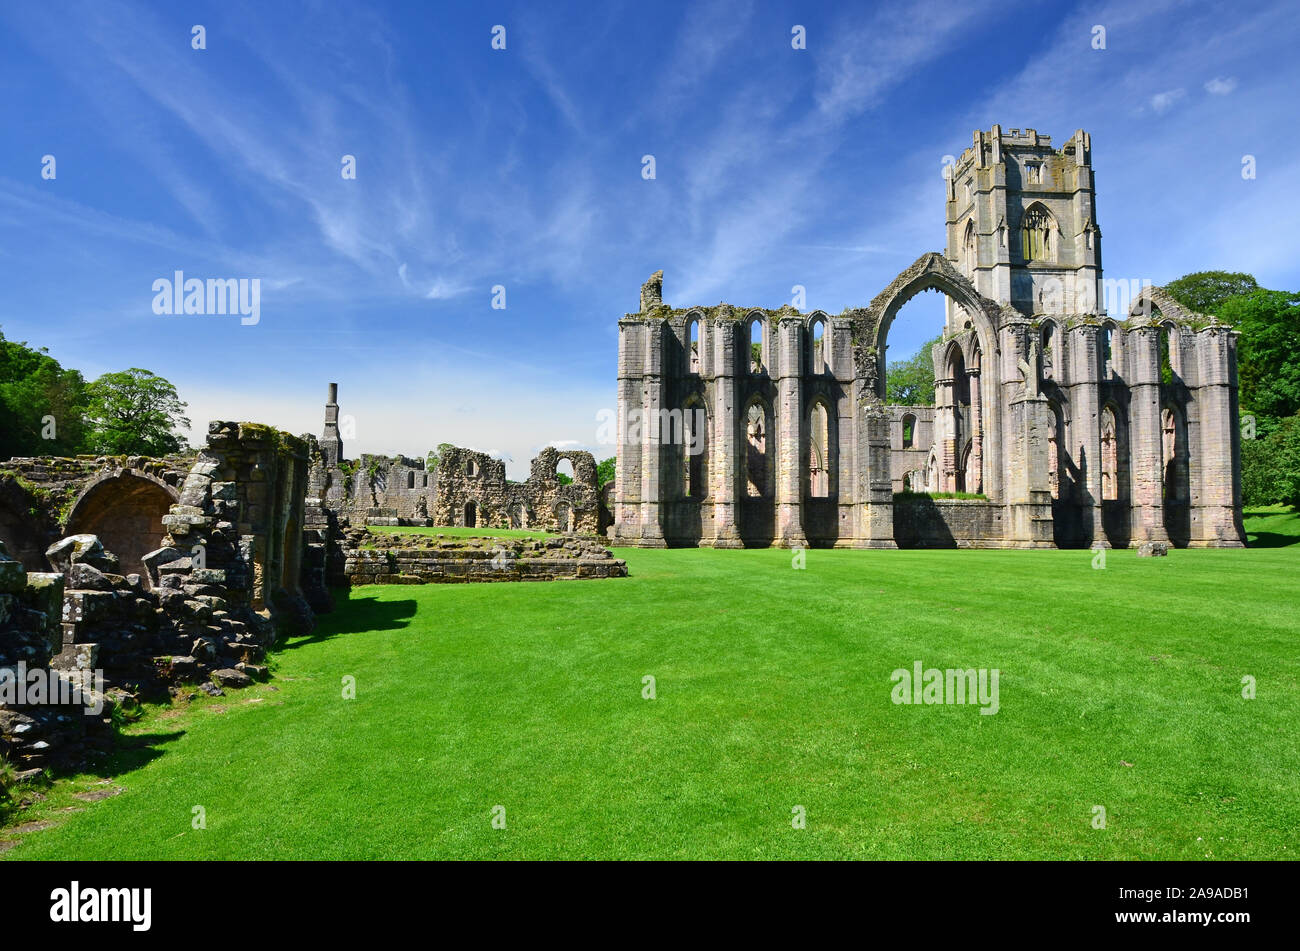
(757, 346)
(1109, 455)
(1109, 350)
(693, 345)
(819, 452)
(820, 357)
(960, 414)
(1168, 353)
(968, 248)
(909, 431)
(757, 455)
(695, 450)
(1049, 343)
(1173, 453)
(1054, 449)
(1036, 234)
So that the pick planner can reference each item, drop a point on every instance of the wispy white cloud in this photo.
(445, 290)
(1221, 85)
(1164, 101)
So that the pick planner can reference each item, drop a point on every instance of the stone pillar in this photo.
(652, 402)
(724, 441)
(946, 433)
(1216, 490)
(977, 431)
(1082, 437)
(789, 434)
(1146, 451)
(875, 482)
(627, 466)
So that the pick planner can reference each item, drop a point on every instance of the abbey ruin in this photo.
(154, 574)
(1053, 424)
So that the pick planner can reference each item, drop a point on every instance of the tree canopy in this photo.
(1268, 352)
(910, 382)
(134, 412)
(42, 405)
(1268, 372)
(1205, 291)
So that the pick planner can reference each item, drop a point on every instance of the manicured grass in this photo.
(456, 531)
(1119, 688)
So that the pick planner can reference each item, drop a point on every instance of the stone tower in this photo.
(1022, 224)
(331, 445)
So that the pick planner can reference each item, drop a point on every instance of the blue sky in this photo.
(522, 168)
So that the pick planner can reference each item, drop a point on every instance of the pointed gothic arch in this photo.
(931, 271)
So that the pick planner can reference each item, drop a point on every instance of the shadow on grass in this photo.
(1275, 526)
(130, 752)
(351, 615)
(1270, 540)
(355, 614)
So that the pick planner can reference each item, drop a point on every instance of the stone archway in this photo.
(931, 271)
(125, 509)
(980, 336)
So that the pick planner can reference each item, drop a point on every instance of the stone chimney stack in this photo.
(331, 445)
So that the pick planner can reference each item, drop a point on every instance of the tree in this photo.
(605, 472)
(1268, 353)
(1270, 466)
(1205, 291)
(42, 405)
(135, 413)
(910, 382)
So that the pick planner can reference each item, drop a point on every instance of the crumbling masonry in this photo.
(1053, 425)
(466, 488)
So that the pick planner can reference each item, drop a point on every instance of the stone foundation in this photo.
(423, 559)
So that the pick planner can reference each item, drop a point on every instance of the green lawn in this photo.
(1119, 688)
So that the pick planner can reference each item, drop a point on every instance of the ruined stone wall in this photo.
(910, 463)
(1076, 427)
(36, 735)
(422, 559)
(120, 498)
(241, 515)
(947, 523)
(225, 577)
(466, 488)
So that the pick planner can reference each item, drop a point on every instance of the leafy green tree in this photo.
(1268, 353)
(1270, 466)
(135, 413)
(605, 472)
(910, 382)
(42, 405)
(1204, 291)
